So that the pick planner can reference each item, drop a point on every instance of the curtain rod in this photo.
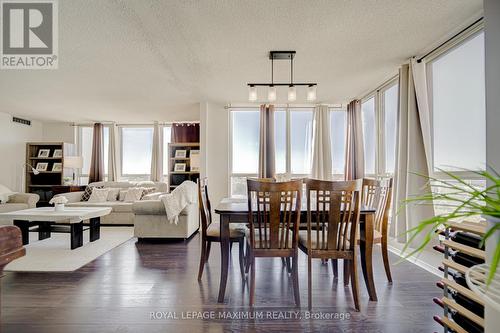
(135, 124)
(450, 39)
(333, 106)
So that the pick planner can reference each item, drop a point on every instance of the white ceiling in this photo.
(155, 60)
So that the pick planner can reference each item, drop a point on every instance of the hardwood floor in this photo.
(118, 292)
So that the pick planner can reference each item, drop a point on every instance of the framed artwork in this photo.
(57, 167)
(42, 166)
(195, 160)
(57, 153)
(180, 167)
(180, 153)
(44, 153)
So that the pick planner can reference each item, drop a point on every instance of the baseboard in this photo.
(426, 259)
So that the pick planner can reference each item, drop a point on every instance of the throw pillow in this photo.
(121, 196)
(133, 194)
(113, 194)
(5, 193)
(99, 195)
(147, 190)
(87, 193)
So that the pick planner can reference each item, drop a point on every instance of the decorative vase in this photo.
(59, 207)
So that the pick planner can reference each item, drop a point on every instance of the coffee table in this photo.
(45, 220)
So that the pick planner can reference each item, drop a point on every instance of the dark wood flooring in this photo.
(118, 292)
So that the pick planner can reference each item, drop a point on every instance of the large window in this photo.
(136, 146)
(85, 134)
(301, 126)
(280, 120)
(369, 134)
(338, 137)
(390, 111)
(457, 90)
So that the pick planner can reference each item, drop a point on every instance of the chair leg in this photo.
(242, 257)
(295, 277)
(209, 245)
(385, 257)
(335, 268)
(309, 283)
(252, 281)
(354, 283)
(203, 257)
(346, 272)
(288, 266)
(247, 261)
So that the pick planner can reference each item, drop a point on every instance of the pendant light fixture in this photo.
(292, 87)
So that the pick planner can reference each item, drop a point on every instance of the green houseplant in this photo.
(461, 200)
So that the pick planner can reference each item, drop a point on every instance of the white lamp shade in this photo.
(311, 93)
(271, 94)
(73, 162)
(252, 93)
(292, 94)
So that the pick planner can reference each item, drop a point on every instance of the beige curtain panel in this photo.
(267, 167)
(322, 145)
(355, 153)
(112, 155)
(96, 172)
(411, 153)
(157, 154)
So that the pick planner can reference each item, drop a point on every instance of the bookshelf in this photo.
(184, 163)
(48, 159)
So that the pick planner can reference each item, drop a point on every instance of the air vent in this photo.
(21, 121)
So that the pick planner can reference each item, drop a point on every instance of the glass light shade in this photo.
(252, 93)
(73, 162)
(271, 94)
(292, 93)
(311, 93)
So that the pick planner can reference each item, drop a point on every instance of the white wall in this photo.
(214, 136)
(13, 138)
(492, 45)
(57, 132)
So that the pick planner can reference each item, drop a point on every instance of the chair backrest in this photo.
(333, 210)
(370, 192)
(274, 213)
(382, 204)
(204, 204)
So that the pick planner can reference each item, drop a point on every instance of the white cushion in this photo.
(99, 195)
(113, 194)
(133, 194)
(122, 194)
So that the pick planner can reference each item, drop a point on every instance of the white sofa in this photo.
(122, 213)
(151, 221)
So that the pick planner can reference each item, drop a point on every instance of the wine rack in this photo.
(463, 309)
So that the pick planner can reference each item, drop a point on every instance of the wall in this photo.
(13, 138)
(58, 132)
(492, 45)
(214, 136)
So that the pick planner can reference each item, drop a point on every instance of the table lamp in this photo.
(73, 162)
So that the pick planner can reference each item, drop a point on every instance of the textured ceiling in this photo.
(149, 60)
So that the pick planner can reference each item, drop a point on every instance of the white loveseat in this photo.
(122, 213)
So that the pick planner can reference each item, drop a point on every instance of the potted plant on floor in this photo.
(462, 200)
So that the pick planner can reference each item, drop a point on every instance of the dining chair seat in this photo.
(265, 243)
(235, 230)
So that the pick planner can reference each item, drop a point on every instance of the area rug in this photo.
(54, 254)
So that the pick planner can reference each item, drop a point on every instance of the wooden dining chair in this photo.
(378, 194)
(273, 218)
(210, 231)
(333, 210)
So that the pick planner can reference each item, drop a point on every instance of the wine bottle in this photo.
(464, 301)
(461, 320)
(459, 257)
(457, 277)
(464, 238)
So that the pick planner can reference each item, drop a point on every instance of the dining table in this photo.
(236, 211)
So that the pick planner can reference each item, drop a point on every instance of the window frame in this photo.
(140, 177)
(467, 36)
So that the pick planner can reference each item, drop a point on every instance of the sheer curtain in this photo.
(355, 153)
(96, 172)
(267, 165)
(322, 152)
(157, 154)
(113, 153)
(412, 151)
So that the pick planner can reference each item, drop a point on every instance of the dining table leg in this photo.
(225, 252)
(366, 247)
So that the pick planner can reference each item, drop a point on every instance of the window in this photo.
(166, 140)
(136, 146)
(280, 140)
(338, 137)
(301, 141)
(457, 92)
(390, 110)
(85, 135)
(369, 134)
